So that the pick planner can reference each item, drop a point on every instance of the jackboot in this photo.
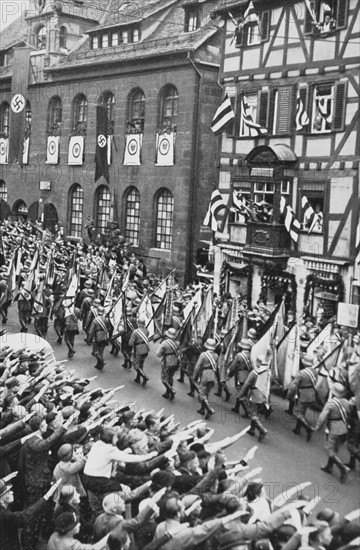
(252, 427)
(166, 394)
(246, 409)
(219, 392)
(260, 427)
(181, 377)
(202, 408)
(344, 470)
(192, 389)
(227, 392)
(138, 377)
(352, 462)
(297, 428)
(329, 466)
(290, 410)
(209, 410)
(236, 408)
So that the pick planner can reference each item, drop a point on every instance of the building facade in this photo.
(291, 70)
(117, 122)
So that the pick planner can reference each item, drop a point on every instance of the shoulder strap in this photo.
(173, 346)
(212, 360)
(247, 361)
(342, 410)
(102, 325)
(311, 376)
(139, 333)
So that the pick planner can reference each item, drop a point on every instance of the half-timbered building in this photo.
(291, 70)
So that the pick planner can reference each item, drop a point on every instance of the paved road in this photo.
(286, 458)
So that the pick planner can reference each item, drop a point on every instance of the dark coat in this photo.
(10, 522)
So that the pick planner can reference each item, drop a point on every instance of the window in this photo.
(4, 120)
(3, 60)
(164, 219)
(323, 106)
(76, 210)
(125, 37)
(132, 216)
(94, 42)
(136, 111)
(136, 34)
(54, 116)
(3, 191)
(323, 17)
(40, 38)
(252, 29)
(108, 100)
(169, 107)
(80, 113)
(281, 110)
(103, 207)
(115, 38)
(241, 199)
(312, 218)
(62, 37)
(192, 19)
(105, 41)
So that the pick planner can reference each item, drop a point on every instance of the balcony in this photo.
(267, 242)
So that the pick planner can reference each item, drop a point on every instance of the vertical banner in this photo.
(52, 151)
(19, 86)
(109, 149)
(101, 150)
(165, 149)
(4, 150)
(76, 151)
(25, 158)
(132, 156)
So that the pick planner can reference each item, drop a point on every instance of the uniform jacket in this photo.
(203, 367)
(303, 385)
(169, 352)
(335, 415)
(138, 343)
(240, 367)
(100, 329)
(249, 388)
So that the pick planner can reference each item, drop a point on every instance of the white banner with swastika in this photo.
(4, 150)
(76, 151)
(52, 151)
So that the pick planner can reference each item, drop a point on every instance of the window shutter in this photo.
(239, 36)
(284, 110)
(339, 106)
(263, 108)
(308, 22)
(230, 128)
(271, 111)
(341, 14)
(265, 25)
(303, 92)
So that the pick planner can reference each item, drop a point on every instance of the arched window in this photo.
(4, 120)
(54, 116)
(108, 100)
(40, 38)
(20, 210)
(76, 200)
(164, 219)
(62, 37)
(3, 191)
(103, 207)
(136, 110)
(169, 107)
(80, 114)
(132, 215)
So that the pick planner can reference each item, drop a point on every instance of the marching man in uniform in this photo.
(336, 416)
(240, 368)
(99, 334)
(139, 342)
(256, 388)
(303, 390)
(169, 353)
(205, 374)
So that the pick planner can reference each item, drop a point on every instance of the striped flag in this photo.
(301, 118)
(223, 116)
(311, 218)
(215, 205)
(291, 223)
(246, 114)
(311, 11)
(250, 14)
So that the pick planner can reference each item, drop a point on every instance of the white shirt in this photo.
(101, 457)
